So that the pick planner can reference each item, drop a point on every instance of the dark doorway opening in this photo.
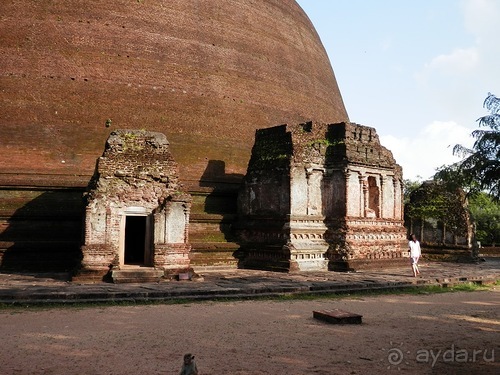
(373, 195)
(135, 239)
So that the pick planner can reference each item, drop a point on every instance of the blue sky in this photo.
(417, 71)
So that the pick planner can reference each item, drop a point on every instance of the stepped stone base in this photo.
(137, 275)
(90, 276)
(213, 255)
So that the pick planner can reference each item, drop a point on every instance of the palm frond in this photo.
(480, 166)
(492, 103)
(492, 121)
(462, 151)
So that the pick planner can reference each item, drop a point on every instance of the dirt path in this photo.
(453, 333)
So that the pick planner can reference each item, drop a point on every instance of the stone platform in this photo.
(21, 289)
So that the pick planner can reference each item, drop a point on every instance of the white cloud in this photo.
(481, 18)
(448, 70)
(456, 81)
(428, 149)
(458, 62)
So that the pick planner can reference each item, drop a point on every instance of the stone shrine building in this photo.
(137, 214)
(320, 197)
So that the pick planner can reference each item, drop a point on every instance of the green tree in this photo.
(480, 166)
(452, 177)
(409, 186)
(433, 200)
(485, 213)
(483, 208)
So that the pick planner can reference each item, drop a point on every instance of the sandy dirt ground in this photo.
(452, 333)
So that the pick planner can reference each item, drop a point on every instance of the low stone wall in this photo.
(489, 251)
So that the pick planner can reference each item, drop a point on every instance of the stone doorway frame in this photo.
(148, 236)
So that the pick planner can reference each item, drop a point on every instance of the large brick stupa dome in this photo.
(205, 73)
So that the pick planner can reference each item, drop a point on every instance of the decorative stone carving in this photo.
(323, 192)
(137, 213)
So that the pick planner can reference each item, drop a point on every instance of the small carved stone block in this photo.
(337, 316)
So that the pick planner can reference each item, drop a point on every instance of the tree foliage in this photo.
(486, 214)
(433, 200)
(409, 186)
(452, 178)
(480, 167)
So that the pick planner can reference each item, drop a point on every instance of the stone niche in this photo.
(318, 197)
(137, 214)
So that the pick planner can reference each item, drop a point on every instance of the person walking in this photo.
(415, 253)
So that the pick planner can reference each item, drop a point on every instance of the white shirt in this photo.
(414, 249)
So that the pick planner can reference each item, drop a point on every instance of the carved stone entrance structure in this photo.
(320, 197)
(137, 214)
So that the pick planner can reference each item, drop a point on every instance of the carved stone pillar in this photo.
(395, 213)
(382, 196)
(363, 182)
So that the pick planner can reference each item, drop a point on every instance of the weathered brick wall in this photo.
(266, 187)
(173, 258)
(62, 79)
(362, 146)
(40, 228)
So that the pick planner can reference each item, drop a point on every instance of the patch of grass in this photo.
(416, 290)
(470, 287)
(18, 308)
